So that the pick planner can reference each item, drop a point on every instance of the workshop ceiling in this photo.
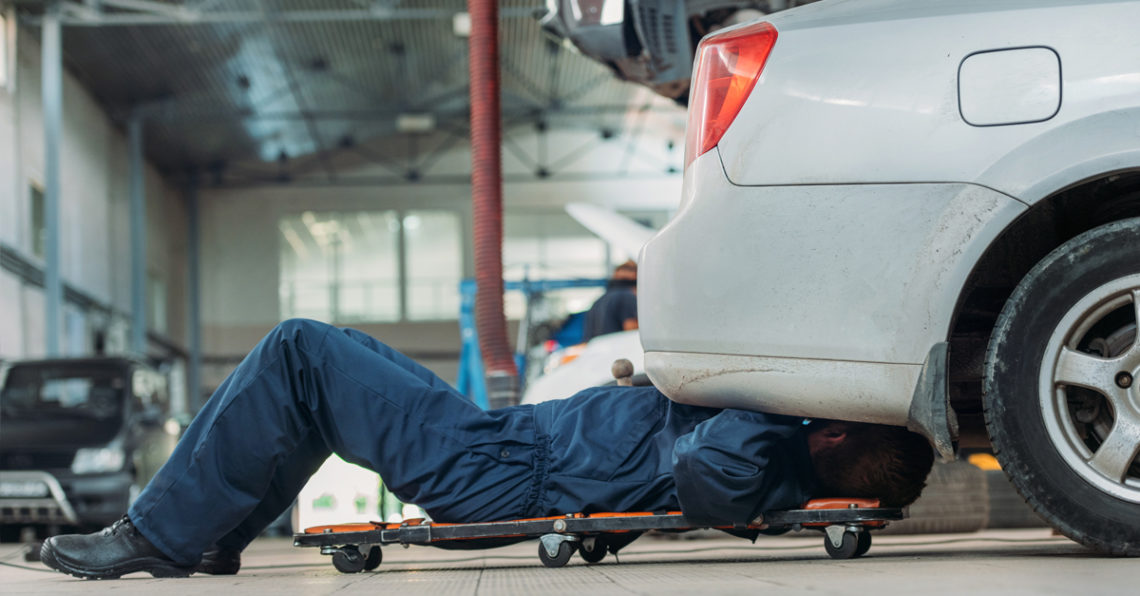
(223, 82)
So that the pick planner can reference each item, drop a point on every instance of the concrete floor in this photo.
(991, 562)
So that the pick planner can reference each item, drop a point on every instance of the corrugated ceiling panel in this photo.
(252, 90)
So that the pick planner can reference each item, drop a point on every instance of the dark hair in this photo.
(873, 461)
(630, 266)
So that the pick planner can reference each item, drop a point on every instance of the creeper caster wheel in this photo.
(864, 543)
(372, 561)
(348, 559)
(555, 550)
(841, 544)
(594, 553)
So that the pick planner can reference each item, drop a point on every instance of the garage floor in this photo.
(1005, 562)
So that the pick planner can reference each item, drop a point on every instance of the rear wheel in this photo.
(1062, 397)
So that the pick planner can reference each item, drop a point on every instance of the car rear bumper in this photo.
(811, 299)
(861, 391)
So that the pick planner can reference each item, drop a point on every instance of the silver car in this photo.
(921, 213)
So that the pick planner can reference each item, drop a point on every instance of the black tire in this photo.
(864, 543)
(846, 550)
(953, 501)
(593, 556)
(1058, 325)
(375, 556)
(348, 559)
(565, 551)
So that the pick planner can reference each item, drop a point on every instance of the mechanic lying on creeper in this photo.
(309, 389)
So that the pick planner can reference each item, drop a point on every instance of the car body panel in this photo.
(860, 391)
(821, 248)
(878, 100)
(1068, 154)
(864, 273)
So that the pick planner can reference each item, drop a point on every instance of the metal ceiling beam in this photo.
(194, 294)
(415, 168)
(147, 12)
(164, 116)
(449, 179)
(151, 7)
(137, 189)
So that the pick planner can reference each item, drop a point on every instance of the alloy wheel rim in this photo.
(1089, 387)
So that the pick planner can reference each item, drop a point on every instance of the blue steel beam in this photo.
(195, 322)
(138, 235)
(52, 91)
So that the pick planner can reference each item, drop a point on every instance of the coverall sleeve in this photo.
(725, 472)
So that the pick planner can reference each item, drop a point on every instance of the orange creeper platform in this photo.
(356, 547)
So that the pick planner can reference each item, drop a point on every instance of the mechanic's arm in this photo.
(722, 468)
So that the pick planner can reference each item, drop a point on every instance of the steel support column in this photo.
(138, 235)
(52, 90)
(402, 264)
(194, 372)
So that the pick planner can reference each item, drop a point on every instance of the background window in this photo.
(340, 267)
(551, 245)
(156, 302)
(434, 251)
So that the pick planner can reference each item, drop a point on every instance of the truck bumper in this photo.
(41, 497)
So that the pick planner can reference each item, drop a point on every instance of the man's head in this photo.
(626, 271)
(869, 461)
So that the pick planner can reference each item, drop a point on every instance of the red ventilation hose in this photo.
(487, 203)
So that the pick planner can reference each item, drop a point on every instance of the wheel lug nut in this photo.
(1123, 380)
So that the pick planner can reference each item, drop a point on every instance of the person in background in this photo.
(616, 310)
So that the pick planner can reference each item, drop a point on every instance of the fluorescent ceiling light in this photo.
(415, 123)
(461, 24)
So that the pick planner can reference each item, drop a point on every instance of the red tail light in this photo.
(727, 68)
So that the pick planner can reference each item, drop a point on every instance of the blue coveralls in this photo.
(309, 389)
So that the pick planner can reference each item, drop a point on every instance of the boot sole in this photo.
(216, 569)
(155, 567)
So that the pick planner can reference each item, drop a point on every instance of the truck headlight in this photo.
(94, 460)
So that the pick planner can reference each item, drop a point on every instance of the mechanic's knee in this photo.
(300, 331)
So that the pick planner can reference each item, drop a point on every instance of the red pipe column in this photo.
(487, 203)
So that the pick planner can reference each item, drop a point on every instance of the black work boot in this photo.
(115, 551)
(219, 561)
